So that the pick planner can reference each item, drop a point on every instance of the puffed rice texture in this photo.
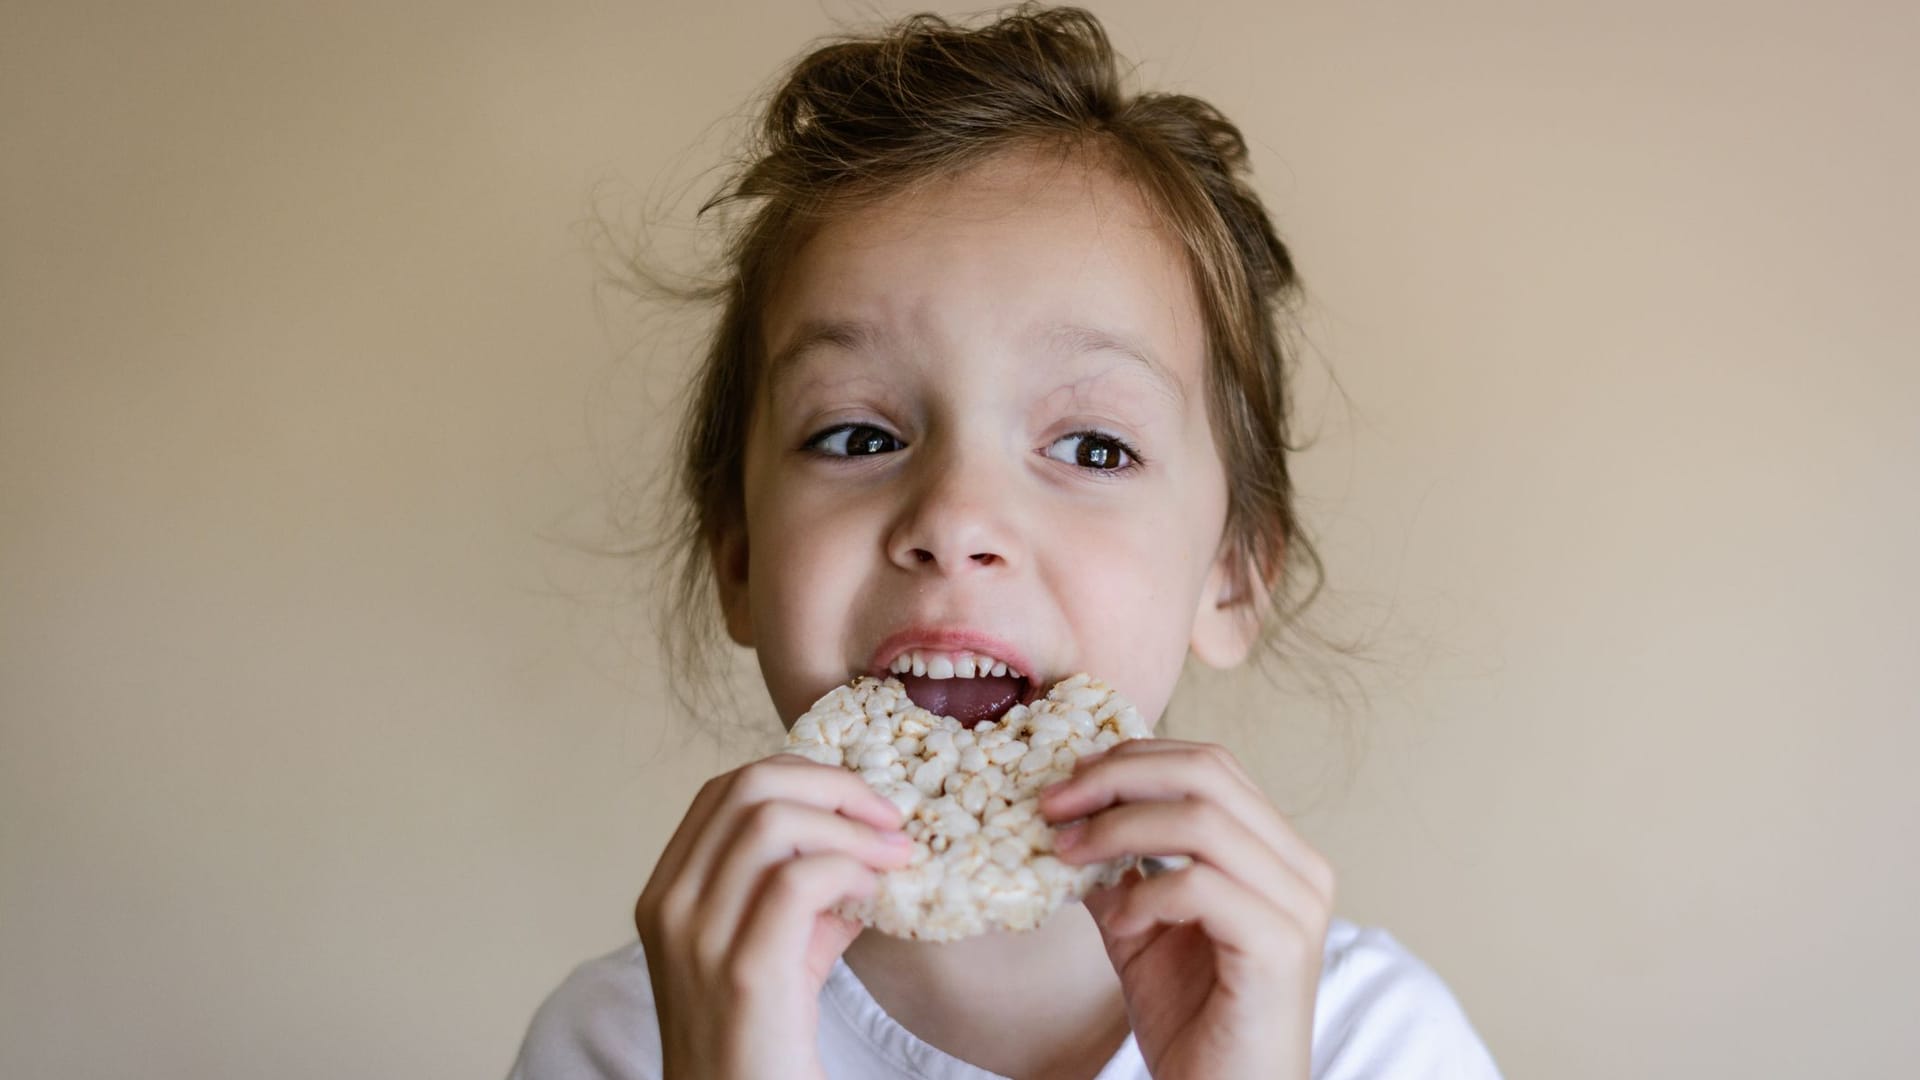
(982, 854)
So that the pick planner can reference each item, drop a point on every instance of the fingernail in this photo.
(897, 839)
(1056, 786)
(1069, 837)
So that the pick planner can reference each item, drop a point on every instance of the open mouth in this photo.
(970, 701)
(968, 687)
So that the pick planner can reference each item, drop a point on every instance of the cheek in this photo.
(1133, 599)
(799, 589)
(808, 548)
(806, 578)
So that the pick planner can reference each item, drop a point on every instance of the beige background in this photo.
(325, 755)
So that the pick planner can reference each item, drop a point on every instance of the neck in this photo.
(976, 999)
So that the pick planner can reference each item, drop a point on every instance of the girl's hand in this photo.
(735, 920)
(1219, 962)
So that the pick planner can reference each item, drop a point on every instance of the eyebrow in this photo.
(851, 335)
(1072, 337)
(854, 335)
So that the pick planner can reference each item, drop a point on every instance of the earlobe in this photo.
(1234, 603)
(729, 555)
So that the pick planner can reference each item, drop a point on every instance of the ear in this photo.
(729, 554)
(1236, 600)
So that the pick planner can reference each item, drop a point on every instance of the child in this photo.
(997, 374)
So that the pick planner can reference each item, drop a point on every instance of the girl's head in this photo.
(997, 371)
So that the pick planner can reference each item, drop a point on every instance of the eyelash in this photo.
(1134, 460)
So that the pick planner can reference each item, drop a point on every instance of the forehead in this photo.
(1014, 251)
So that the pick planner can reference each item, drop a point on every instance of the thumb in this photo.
(1102, 902)
(832, 933)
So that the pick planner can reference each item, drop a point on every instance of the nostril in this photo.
(985, 558)
(923, 554)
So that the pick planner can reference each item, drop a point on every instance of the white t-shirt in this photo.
(1380, 1013)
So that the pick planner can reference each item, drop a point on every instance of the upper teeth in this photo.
(949, 665)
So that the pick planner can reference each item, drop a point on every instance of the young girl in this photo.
(998, 375)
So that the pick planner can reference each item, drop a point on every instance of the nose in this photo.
(956, 521)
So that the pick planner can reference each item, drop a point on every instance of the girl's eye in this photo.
(1092, 450)
(853, 440)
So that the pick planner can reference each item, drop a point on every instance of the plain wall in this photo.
(325, 754)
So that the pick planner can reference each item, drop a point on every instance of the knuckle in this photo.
(666, 915)
(798, 880)
(739, 974)
(716, 787)
(762, 821)
(1225, 760)
(1200, 815)
(1191, 754)
(1239, 770)
(646, 918)
(758, 781)
(750, 784)
(791, 878)
(1203, 756)
(710, 945)
(1199, 764)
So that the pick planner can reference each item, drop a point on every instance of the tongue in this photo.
(969, 701)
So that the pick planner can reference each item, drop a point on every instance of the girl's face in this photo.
(983, 429)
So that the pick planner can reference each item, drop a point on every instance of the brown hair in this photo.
(861, 117)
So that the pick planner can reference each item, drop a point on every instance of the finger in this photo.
(835, 788)
(780, 919)
(1203, 767)
(1167, 746)
(787, 778)
(773, 832)
(1195, 828)
(706, 802)
(680, 877)
(1253, 937)
(666, 898)
(1137, 771)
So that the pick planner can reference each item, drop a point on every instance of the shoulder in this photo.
(1381, 1012)
(598, 1024)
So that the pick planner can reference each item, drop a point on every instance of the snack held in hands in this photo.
(983, 856)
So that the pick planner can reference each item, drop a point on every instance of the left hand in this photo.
(1219, 962)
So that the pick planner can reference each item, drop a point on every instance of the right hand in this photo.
(736, 919)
